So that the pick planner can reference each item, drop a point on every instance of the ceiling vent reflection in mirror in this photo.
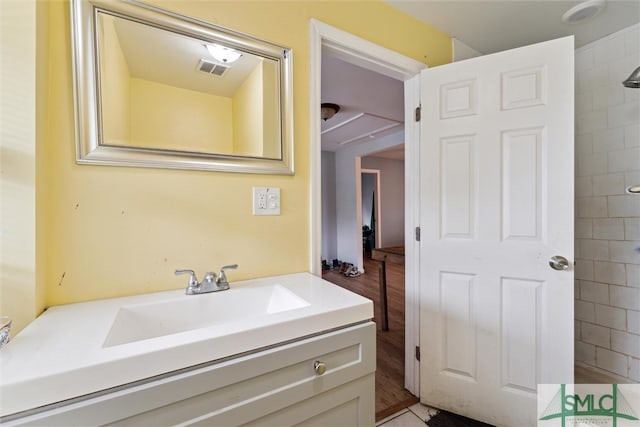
(145, 97)
(211, 68)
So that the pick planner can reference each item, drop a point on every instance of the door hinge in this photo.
(417, 234)
(418, 353)
(418, 113)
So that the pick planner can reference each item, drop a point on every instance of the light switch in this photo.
(266, 201)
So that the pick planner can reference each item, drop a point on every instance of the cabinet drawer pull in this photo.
(319, 367)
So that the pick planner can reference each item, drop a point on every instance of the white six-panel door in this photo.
(497, 203)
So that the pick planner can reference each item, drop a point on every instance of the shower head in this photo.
(634, 79)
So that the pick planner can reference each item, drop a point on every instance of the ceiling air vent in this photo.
(212, 68)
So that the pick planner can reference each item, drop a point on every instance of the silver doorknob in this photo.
(559, 263)
(319, 367)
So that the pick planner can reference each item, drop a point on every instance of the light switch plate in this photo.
(266, 201)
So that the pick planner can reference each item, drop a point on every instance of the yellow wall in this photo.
(116, 90)
(42, 152)
(271, 134)
(22, 133)
(118, 231)
(247, 115)
(255, 113)
(180, 119)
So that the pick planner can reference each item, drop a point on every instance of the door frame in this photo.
(366, 54)
(377, 197)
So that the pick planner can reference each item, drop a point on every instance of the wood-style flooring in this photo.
(391, 395)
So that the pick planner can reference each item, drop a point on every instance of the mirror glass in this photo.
(158, 89)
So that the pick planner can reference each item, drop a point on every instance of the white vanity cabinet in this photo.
(276, 386)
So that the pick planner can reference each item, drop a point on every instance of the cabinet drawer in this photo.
(351, 404)
(234, 391)
(265, 383)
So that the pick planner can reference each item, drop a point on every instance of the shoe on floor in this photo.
(354, 272)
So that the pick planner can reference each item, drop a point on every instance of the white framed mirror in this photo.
(153, 88)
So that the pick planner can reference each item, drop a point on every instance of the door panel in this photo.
(496, 164)
(459, 205)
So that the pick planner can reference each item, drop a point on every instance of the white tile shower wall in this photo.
(607, 219)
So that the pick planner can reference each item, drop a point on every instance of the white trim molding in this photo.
(366, 54)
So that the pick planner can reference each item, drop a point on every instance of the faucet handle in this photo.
(193, 280)
(222, 277)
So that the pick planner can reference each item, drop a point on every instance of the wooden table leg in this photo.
(382, 278)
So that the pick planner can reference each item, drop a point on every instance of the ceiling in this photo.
(474, 23)
(371, 105)
(173, 59)
(494, 26)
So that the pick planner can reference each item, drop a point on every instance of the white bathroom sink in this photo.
(77, 349)
(189, 312)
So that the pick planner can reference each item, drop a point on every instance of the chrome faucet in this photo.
(211, 282)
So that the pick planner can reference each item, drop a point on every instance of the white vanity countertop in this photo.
(62, 354)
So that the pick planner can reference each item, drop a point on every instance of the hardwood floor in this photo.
(391, 395)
